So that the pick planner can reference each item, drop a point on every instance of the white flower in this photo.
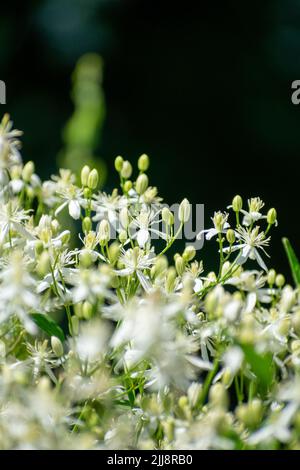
(250, 242)
(72, 197)
(91, 343)
(220, 226)
(144, 223)
(255, 204)
(136, 261)
(12, 217)
(108, 206)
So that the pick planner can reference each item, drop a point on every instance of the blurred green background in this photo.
(204, 90)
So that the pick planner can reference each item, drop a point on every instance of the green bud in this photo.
(189, 253)
(230, 236)
(167, 216)
(160, 266)
(237, 203)
(184, 211)
(119, 163)
(87, 310)
(43, 264)
(271, 277)
(280, 280)
(218, 395)
(54, 226)
(271, 216)
(78, 310)
(93, 179)
(113, 252)
(57, 346)
(104, 232)
(86, 225)
(75, 325)
(179, 265)
(124, 217)
(127, 186)
(85, 258)
(141, 183)
(170, 279)
(28, 171)
(126, 170)
(123, 236)
(85, 173)
(143, 162)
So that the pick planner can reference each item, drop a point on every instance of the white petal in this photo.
(74, 209)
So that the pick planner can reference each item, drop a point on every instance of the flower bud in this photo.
(218, 395)
(85, 172)
(237, 203)
(295, 346)
(160, 266)
(57, 346)
(194, 393)
(93, 179)
(167, 216)
(271, 216)
(104, 232)
(119, 163)
(113, 252)
(85, 258)
(170, 279)
(78, 310)
(271, 277)
(141, 184)
(87, 310)
(179, 265)
(54, 226)
(280, 280)
(127, 186)
(184, 211)
(43, 264)
(123, 236)
(28, 171)
(230, 236)
(189, 253)
(86, 225)
(126, 170)
(75, 325)
(124, 218)
(143, 162)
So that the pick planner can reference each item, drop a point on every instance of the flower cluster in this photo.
(106, 343)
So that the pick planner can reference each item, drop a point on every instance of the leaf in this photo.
(48, 325)
(293, 260)
(261, 365)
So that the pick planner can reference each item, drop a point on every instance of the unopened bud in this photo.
(141, 183)
(271, 216)
(85, 258)
(143, 162)
(39, 247)
(127, 186)
(184, 211)
(119, 163)
(123, 236)
(93, 179)
(113, 252)
(296, 322)
(43, 264)
(87, 192)
(126, 170)
(57, 346)
(230, 236)
(104, 232)
(271, 277)
(179, 265)
(218, 395)
(170, 279)
(124, 217)
(28, 171)
(280, 280)
(160, 266)
(167, 216)
(75, 325)
(85, 172)
(87, 310)
(237, 203)
(86, 225)
(189, 253)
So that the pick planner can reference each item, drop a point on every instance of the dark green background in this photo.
(205, 91)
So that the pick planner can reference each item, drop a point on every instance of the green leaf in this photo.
(293, 260)
(261, 365)
(48, 325)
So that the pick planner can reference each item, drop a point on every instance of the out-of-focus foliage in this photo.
(82, 133)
